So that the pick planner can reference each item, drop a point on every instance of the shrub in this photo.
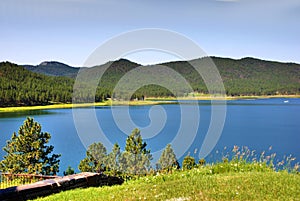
(188, 163)
(201, 162)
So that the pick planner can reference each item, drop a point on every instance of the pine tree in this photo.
(168, 160)
(113, 160)
(95, 160)
(27, 151)
(69, 171)
(136, 158)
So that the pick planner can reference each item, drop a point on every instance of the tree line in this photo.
(28, 152)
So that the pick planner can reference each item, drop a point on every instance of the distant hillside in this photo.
(247, 76)
(53, 68)
(19, 86)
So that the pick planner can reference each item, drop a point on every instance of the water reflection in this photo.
(27, 113)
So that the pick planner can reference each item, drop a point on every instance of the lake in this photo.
(257, 124)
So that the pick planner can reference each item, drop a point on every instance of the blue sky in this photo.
(33, 31)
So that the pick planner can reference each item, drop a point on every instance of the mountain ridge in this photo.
(29, 85)
(59, 64)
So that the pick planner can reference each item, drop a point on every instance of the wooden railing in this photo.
(55, 185)
(9, 180)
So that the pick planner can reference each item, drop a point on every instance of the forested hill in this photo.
(32, 85)
(53, 68)
(247, 76)
(19, 86)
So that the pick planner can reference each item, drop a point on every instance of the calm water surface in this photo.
(257, 124)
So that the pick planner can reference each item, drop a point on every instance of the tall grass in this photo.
(196, 184)
(240, 174)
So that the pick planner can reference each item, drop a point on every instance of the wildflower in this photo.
(235, 148)
(280, 163)
(195, 151)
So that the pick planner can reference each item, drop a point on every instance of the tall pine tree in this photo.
(168, 160)
(136, 158)
(27, 151)
(112, 162)
(95, 160)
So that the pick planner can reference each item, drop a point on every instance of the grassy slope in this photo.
(195, 185)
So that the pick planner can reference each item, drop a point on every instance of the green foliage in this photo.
(69, 171)
(136, 158)
(133, 161)
(27, 151)
(247, 76)
(168, 160)
(232, 179)
(95, 160)
(112, 162)
(194, 184)
(19, 87)
(188, 163)
(201, 162)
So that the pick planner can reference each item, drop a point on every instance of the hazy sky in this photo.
(33, 31)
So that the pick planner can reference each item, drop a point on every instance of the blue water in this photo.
(257, 124)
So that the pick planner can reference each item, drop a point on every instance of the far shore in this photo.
(147, 101)
(208, 97)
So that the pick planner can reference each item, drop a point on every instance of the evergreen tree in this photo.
(69, 171)
(136, 158)
(95, 159)
(113, 160)
(168, 160)
(188, 163)
(27, 151)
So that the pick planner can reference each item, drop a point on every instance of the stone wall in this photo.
(50, 186)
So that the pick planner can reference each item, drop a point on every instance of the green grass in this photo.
(47, 107)
(240, 175)
(196, 184)
(80, 105)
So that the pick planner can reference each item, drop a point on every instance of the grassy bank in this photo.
(70, 105)
(53, 106)
(196, 184)
(241, 175)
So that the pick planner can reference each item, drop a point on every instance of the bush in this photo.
(201, 162)
(188, 163)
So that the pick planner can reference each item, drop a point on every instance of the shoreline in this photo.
(206, 97)
(148, 101)
(79, 105)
